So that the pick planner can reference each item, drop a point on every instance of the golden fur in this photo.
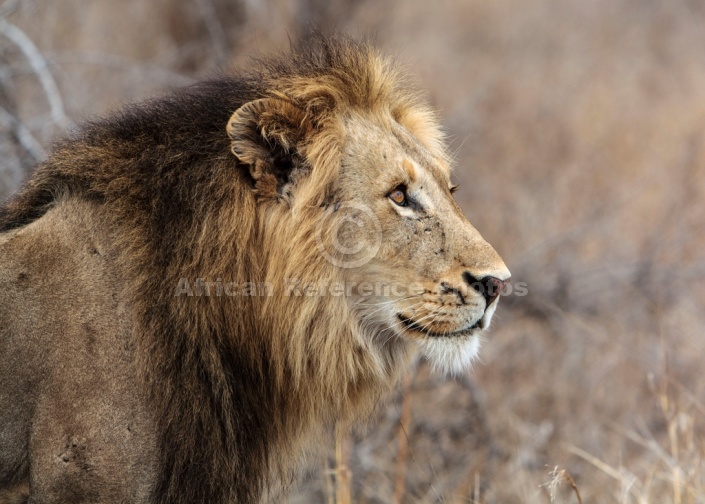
(281, 178)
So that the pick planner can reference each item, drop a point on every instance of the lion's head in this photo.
(351, 172)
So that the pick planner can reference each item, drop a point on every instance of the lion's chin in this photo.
(450, 356)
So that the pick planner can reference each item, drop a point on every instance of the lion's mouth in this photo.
(411, 325)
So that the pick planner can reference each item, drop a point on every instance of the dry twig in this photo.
(400, 483)
(558, 476)
(23, 135)
(39, 66)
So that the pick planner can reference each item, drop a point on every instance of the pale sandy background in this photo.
(579, 128)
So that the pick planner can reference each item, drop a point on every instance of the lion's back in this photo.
(64, 339)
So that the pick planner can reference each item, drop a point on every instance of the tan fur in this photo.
(409, 167)
(227, 392)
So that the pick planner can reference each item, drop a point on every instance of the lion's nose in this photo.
(490, 287)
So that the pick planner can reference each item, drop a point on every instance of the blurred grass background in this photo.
(579, 129)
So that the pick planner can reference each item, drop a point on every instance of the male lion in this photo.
(193, 289)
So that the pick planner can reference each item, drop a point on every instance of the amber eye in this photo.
(398, 196)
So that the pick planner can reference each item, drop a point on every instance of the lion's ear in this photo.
(265, 135)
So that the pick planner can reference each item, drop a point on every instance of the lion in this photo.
(197, 288)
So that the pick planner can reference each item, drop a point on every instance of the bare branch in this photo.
(40, 68)
(24, 136)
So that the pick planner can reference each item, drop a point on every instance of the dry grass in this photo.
(580, 136)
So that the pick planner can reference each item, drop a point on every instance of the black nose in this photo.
(490, 287)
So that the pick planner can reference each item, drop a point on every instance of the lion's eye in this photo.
(454, 188)
(398, 196)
